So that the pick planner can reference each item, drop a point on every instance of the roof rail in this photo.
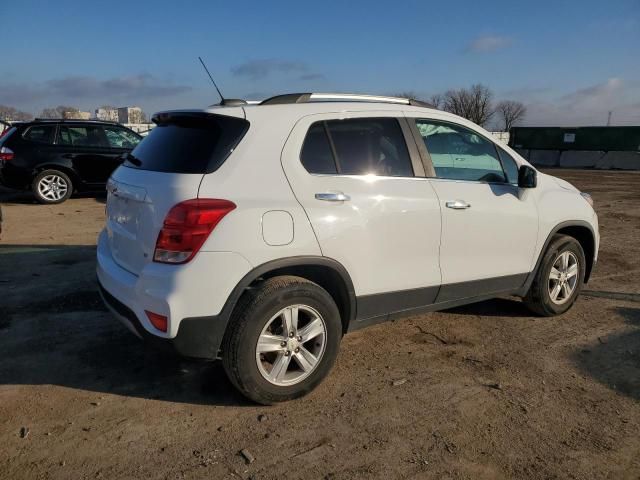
(62, 120)
(290, 98)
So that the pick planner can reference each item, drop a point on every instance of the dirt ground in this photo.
(489, 391)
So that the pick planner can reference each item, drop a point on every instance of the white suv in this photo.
(261, 234)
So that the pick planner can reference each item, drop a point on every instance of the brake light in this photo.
(6, 154)
(187, 226)
(157, 320)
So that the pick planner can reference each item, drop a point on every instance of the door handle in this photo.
(457, 205)
(332, 197)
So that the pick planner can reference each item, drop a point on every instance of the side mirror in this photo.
(527, 177)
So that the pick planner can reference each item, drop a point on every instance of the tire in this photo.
(540, 297)
(51, 187)
(257, 316)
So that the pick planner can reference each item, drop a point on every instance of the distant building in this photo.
(130, 115)
(76, 115)
(107, 114)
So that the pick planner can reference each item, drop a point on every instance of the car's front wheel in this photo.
(282, 340)
(559, 278)
(52, 186)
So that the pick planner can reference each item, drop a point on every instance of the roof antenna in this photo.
(231, 102)
(212, 81)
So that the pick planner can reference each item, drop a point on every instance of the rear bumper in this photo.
(197, 337)
(14, 177)
(191, 296)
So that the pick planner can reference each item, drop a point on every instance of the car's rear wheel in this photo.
(559, 278)
(282, 340)
(52, 186)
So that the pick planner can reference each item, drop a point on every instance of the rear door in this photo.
(87, 148)
(36, 145)
(370, 206)
(489, 225)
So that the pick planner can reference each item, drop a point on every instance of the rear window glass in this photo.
(40, 133)
(188, 143)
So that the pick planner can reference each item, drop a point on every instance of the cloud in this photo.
(312, 76)
(596, 95)
(588, 106)
(135, 87)
(261, 68)
(488, 43)
(141, 86)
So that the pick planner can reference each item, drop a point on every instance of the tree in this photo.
(511, 112)
(136, 115)
(474, 103)
(437, 100)
(12, 114)
(59, 112)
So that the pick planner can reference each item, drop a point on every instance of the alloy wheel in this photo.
(563, 277)
(53, 187)
(291, 345)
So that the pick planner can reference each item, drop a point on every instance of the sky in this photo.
(569, 62)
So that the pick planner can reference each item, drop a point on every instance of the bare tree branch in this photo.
(474, 104)
(59, 112)
(511, 112)
(12, 114)
(437, 100)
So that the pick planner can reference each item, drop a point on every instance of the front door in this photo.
(489, 225)
(356, 180)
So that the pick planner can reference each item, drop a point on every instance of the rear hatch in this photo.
(166, 168)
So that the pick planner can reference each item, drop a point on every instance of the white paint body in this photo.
(393, 233)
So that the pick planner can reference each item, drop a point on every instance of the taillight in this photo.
(157, 320)
(6, 154)
(187, 226)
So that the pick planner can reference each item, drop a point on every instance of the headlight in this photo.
(588, 198)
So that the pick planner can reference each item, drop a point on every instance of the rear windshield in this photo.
(188, 143)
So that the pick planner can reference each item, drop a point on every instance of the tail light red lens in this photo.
(187, 226)
(6, 154)
(157, 320)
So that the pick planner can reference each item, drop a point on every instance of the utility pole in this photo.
(609, 119)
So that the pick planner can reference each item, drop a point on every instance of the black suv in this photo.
(54, 158)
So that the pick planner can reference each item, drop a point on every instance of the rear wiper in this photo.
(132, 159)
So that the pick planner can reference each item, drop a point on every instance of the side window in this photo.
(316, 153)
(120, 138)
(510, 166)
(82, 136)
(458, 153)
(40, 134)
(370, 146)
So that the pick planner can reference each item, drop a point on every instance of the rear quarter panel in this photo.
(253, 178)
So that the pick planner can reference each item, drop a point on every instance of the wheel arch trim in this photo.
(283, 264)
(554, 231)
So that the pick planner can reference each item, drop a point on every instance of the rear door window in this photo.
(40, 134)
(317, 156)
(82, 136)
(357, 146)
(188, 143)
